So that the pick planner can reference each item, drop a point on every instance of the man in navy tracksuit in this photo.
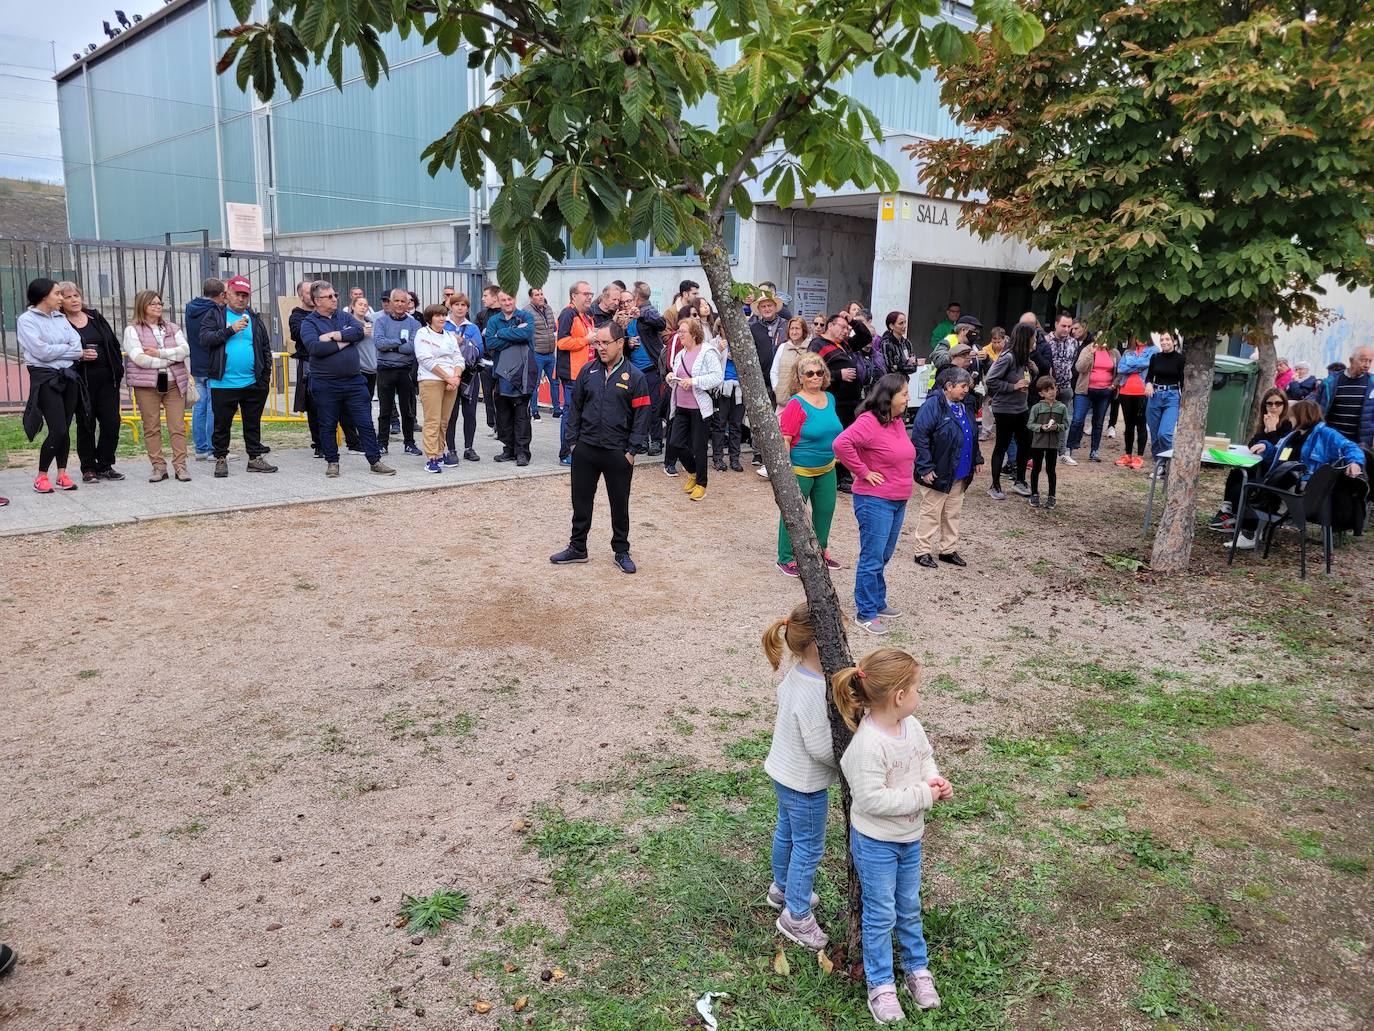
(608, 424)
(336, 378)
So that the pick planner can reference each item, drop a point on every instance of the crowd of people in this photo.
(874, 414)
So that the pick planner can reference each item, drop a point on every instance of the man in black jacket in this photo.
(491, 304)
(202, 415)
(648, 356)
(607, 423)
(239, 375)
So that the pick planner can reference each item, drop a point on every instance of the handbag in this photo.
(192, 393)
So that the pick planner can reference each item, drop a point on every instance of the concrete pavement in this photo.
(300, 479)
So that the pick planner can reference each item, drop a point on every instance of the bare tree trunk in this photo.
(1173, 545)
(827, 619)
(1263, 339)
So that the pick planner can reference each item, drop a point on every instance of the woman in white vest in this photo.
(155, 351)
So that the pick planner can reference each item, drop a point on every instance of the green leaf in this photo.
(786, 188)
(290, 72)
(667, 227)
(743, 203)
(642, 213)
(508, 266)
(450, 36)
(536, 260)
(242, 9)
(314, 26)
(949, 42)
(335, 63)
(572, 197)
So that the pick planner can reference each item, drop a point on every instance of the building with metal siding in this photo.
(155, 143)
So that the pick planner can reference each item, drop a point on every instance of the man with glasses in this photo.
(573, 342)
(336, 379)
(239, 374)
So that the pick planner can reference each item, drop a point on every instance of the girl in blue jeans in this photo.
(1163, 384)
(802, 764)
(892, 774)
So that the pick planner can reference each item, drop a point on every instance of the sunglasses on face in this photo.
(1273, 404)
(817, 373)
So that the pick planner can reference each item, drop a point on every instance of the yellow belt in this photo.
(819, 470)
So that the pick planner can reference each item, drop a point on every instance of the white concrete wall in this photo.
(425, 243)
(1352, 324)
(836, 248)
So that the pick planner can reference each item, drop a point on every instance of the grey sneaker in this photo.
(922, 988)
(874, 626)
(1022, 488)
(260, 465)
(883, 1004)
(332, 470)
(1049, 501)
(382, 469)
(804, 931)
(777, 898)
(996, 494)
(221, 467)
(891, 613)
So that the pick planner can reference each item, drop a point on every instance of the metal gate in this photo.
(111, 273)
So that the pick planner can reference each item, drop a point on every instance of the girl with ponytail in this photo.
(891, 771)
(801, 763)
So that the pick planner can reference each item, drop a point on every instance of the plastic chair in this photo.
(1310, 505)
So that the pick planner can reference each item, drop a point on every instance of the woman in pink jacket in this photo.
(883, 459)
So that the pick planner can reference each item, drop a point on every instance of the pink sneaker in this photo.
(883, 1004)
(922, 988)
(831, 562)
(805, 931)
(777, 897)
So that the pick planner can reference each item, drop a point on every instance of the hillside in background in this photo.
(32, 209)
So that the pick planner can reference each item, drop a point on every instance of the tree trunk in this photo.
(827, 618)
(1173, 545)
(1263, 339)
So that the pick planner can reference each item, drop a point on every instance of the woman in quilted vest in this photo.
(155, 353)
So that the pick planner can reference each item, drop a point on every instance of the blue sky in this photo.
(30, 147)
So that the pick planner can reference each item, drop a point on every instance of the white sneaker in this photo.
(1243, 543)
(1111, 432)
(1069, 459)
(762, 470)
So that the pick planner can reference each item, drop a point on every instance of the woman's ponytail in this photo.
(794, 631)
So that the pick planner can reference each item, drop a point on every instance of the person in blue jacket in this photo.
(509, 337)
(1347, 397)
(1314, 444)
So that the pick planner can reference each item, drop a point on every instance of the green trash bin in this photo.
(1233, 392)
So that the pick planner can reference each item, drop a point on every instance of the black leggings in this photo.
(1133, 408)
(687, 442)
(1010, 426)
(1044, 458)
(57, 402)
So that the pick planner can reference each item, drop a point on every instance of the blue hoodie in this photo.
(1323, 446)
(195, 315)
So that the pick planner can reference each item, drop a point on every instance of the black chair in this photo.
(1300, 507)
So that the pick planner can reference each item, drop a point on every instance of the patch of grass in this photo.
(1349, 865)
(87, 674)
(576, 847)
(79, 530)
(193, 829)
(680, 726)
(428, 913)
(1166, 992)
(407, 722)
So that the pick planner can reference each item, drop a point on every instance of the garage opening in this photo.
(997, 298)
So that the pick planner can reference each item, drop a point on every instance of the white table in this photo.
(1163, 460)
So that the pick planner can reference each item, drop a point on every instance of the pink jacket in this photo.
(868, 446)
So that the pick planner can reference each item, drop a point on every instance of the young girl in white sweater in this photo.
(802, 764)
(892, 774)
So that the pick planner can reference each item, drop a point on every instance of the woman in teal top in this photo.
(809, 426)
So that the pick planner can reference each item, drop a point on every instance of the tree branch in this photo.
(785, 110)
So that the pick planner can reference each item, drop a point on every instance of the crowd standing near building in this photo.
(1034, 393)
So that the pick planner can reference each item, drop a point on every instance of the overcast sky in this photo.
(30, 53)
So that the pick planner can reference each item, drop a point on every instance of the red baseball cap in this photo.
(239, 284)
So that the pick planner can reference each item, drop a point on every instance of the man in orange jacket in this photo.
(574, 349)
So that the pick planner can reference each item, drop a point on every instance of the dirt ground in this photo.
(234, 742)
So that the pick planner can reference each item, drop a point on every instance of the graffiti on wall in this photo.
(1351, 323)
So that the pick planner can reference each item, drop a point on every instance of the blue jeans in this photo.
(890, 876)
(544, 366)
(1098, 400)
(798, 843)
(334, 396)
(1161, 415)
(880, 522)
(202, 419)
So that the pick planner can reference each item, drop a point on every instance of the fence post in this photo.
(205, 271)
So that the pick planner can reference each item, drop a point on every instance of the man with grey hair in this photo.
(1347, 398)
(336, 379)
(393, 334)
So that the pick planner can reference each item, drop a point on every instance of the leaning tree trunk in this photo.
(827, 619)
(1263, 339)
(1173, 545)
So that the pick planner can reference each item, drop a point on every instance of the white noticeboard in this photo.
(244, 225)
(811, 294)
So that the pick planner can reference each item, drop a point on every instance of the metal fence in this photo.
(111, 274)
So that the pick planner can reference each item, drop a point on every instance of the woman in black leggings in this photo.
(51, 348)
(1008, 385)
